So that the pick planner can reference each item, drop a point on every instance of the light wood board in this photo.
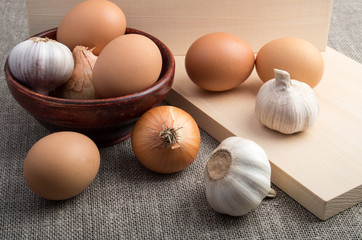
(320, 168)
(180, 22)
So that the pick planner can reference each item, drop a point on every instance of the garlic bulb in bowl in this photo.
(237, 177)
(42, 64)
(286, 105)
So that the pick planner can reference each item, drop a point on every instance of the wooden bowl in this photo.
(105, 121)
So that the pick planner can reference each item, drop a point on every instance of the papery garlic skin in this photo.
(237, 177)
(286, 105)
(41, 64)
(79, 84)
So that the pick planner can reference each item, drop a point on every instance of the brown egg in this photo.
(128, 64)
(61, 165)
(91, 24)
(219, 61)
(297, 56)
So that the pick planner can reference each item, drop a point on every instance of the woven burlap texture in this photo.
(126, 201)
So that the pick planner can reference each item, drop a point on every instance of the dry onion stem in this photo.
(170, 137)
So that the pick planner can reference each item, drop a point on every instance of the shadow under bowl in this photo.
(106, 121)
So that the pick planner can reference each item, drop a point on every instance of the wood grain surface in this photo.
(320, 168)
(180, 22)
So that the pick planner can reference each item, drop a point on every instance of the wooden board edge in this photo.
(305, 197)
(343, 202)
(321, 208)
(219, 132)
(202, 119)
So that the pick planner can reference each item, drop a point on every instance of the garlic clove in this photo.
(80, 85)
(286, 105)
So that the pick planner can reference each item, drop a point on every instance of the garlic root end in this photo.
(219, 164)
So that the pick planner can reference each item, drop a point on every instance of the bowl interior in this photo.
(167, 74)
(107, 121)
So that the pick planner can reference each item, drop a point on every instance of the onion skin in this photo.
(80, 84)
(150, 148)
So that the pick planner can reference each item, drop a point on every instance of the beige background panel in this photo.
(180, 22)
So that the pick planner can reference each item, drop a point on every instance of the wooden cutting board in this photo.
(320, 168)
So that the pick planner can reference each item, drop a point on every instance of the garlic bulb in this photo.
(79, 85)
(286, 105)
(42, 64)
(237, 177)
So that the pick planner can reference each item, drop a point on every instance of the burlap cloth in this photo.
(126, 201)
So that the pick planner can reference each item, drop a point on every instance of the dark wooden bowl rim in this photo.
(163, 79)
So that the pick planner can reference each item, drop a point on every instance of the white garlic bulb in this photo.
(42, 64)
(237, 177)
(286, 105)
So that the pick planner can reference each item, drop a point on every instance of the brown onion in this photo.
(166, 139)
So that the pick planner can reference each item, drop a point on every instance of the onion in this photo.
(79, 85)
(166, 139)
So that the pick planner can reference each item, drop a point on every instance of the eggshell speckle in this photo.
(219, 61)
(61, 165)
(92, 23)
(128, 64)
(300, 58)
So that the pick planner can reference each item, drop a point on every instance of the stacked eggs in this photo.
(126, 63)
